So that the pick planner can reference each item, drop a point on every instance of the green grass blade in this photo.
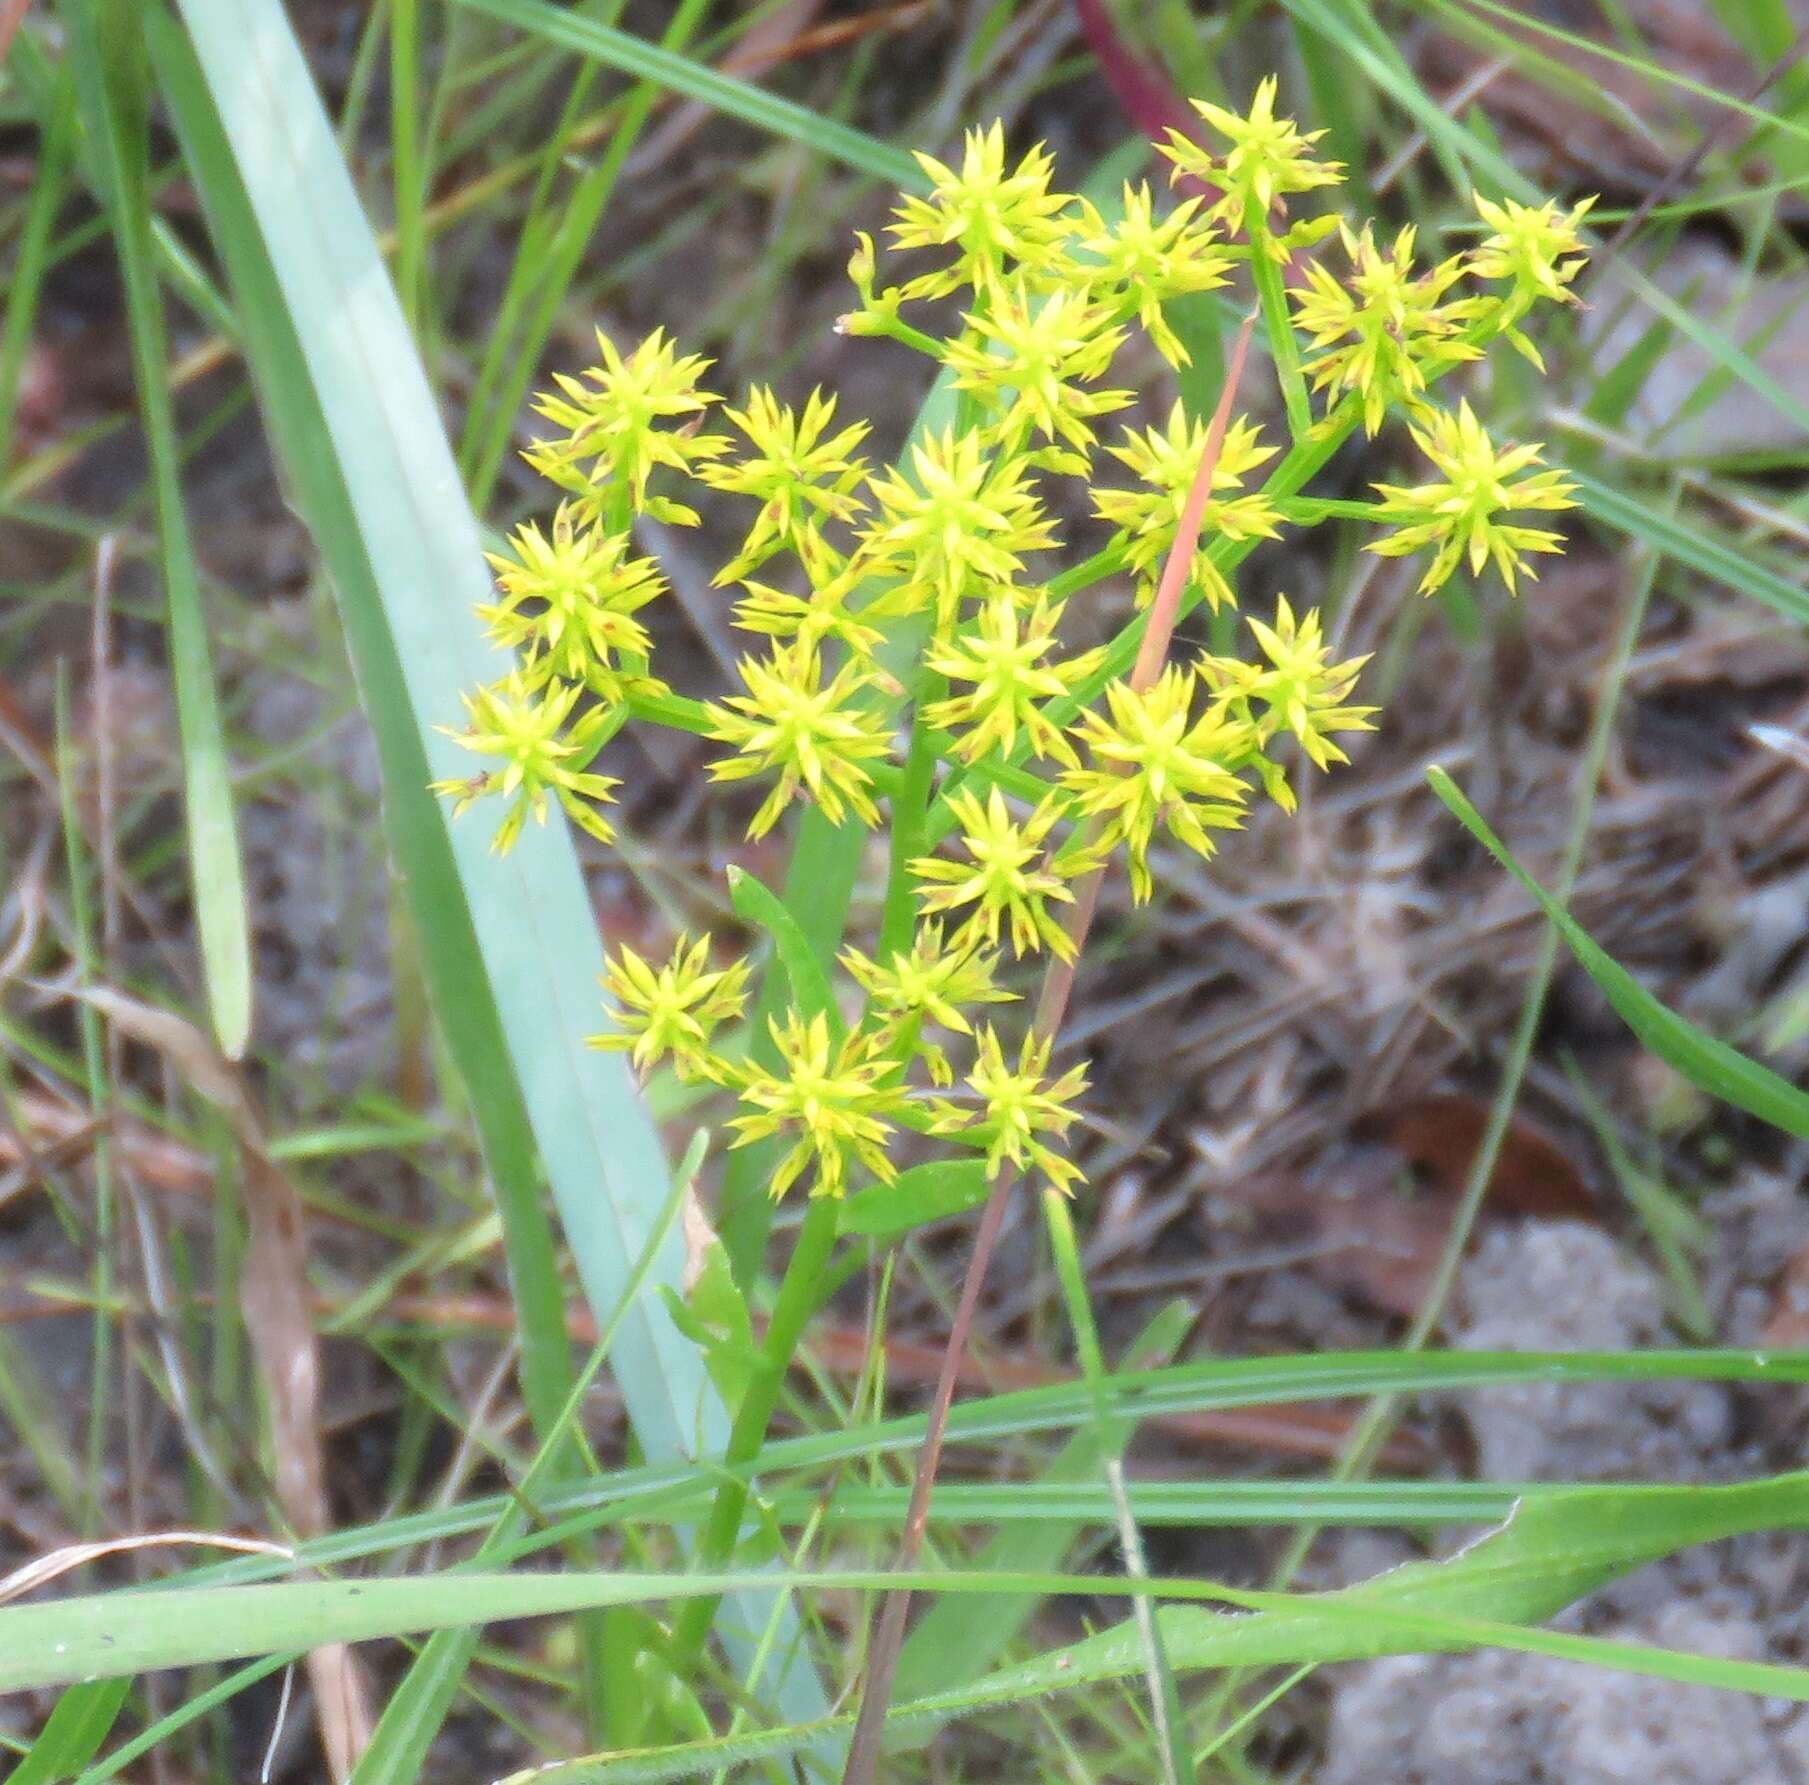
(529, 912)
(1550, 1553)
(105, 50)
(1692, 545)
(79, 1724)
(1710, 1065)
(736, 99)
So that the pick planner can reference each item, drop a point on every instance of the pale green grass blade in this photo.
(655, 1491)
(416, 833)
(1710, 1065)
(1549, 1554)
(529, 910)
(106, 53)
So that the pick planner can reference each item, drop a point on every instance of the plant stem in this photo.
(798, 1293)
(1058, 983)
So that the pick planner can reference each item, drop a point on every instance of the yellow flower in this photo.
(961, 522)
(1269, 157)
(673, 1010)
(568, 603)
(1303, 692)
(1154, 764)
(816, 737)
(1144, 262)
(989, 215)
(619, 420)
(1001, 878)
(1394, 319)
(1029, 359)
(830, 1098)
(1020, 1108)
(801, 474)
(1167, 460)
(1539, 247)
(521, 722)
(1003, 657)
(1462, 514)
(928, 984)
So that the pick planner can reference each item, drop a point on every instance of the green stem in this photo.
(799, 1292)
(1266, 271)
(910, 814)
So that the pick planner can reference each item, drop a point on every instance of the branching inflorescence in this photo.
(928, 596)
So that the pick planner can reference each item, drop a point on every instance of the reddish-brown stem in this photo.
(1058, 984)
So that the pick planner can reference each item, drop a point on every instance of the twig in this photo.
(1058, 984)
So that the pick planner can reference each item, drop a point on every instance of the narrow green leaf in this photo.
(1710, 1065)
(72, 1733)
(111, 95)
(758, 905)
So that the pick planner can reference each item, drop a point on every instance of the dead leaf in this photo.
(41, 1571)
(1534, 1174)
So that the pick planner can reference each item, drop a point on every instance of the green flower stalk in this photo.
(1018, 769)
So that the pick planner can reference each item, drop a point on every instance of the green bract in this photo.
(1033, 765)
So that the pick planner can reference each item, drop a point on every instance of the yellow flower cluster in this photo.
(908, 666)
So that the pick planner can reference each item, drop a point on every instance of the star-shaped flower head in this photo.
(801, 474)
(928, 985)
(1004, 878)
(1540, 248)
(1005, 659)
(1462, 514)
(1022, 1111)
(961, 523)
(812, 618)
(1302, 691)
(1153, 763)
(621, 419)
(997, 221)
(1378, 327)
(525, 724)
(1142, 261)
(673, 1010)
(1030, 361)
(819, 738)
(568, 602)
(1167, 460)
(1269, 157)
(830, 1097)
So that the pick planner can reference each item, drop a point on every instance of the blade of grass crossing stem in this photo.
(529, 914)
(1135, 1395)
(952, 1639)
(1709, 1064)
(106, 49)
